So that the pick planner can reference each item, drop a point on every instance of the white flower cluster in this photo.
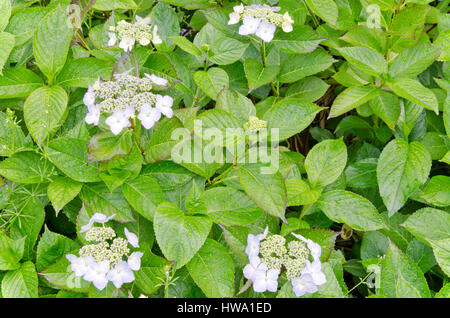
(268, 256)
(129, 33)
(103, 261)
(261, 20)
(125, 96)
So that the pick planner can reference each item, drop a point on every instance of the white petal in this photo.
(134, 261)
(132, 238)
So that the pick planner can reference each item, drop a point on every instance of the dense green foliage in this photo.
(357, 92)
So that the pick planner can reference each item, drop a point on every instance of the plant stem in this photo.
(263, 53)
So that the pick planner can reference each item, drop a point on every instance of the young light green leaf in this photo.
(326, 9)
(415, 92)
(413, 61)
(386, 106)
(351, 98)
(367, 60)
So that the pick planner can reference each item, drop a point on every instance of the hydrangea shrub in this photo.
(221, 148)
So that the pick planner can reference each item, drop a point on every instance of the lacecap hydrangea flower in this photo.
(124, 97)
(108, 258)
(127, 34)
(270, 255)
(261, 20)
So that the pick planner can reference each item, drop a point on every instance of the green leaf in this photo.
(435, 143)
(432, 226)
(212, 81)
(51, 42)
(98, 199)
(28, 225)
(415, 92)
(325, 9)
(106, 146)
(444, 292)
(18, 82)
(298, 66)
(225, 51)
(228, 206)
(386, 106)
(161, 142)
(5, 13)
(351, 98)
(362, 174)
(362, 35)
(325, 162)
(302, 39)
(153, 270)
(268, 191)
(44, 112)
(11, 252)
(83, 72)
(402, 168)
(187, 45)
(290, 116)
(144, 195)
(213, 270)
(401, 277)
(300, 193)
(179, 236)
(311, 88)
(408, 20)
(61, 191)
(413, 61)
(21, 283)
(51, 248)
(437, 191)
(373, 245)
(26, 167)
(236, 104)
(7, 41)
(365, 59)
(71, 157)
(257, 74)
(108, 5)
(165, 17)
(350, 208)
(191, 4)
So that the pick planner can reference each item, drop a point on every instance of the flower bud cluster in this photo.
(127, 34)
(260, 20)
(125, 96)
(254, 124)
(107, 258)
(269, 256)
